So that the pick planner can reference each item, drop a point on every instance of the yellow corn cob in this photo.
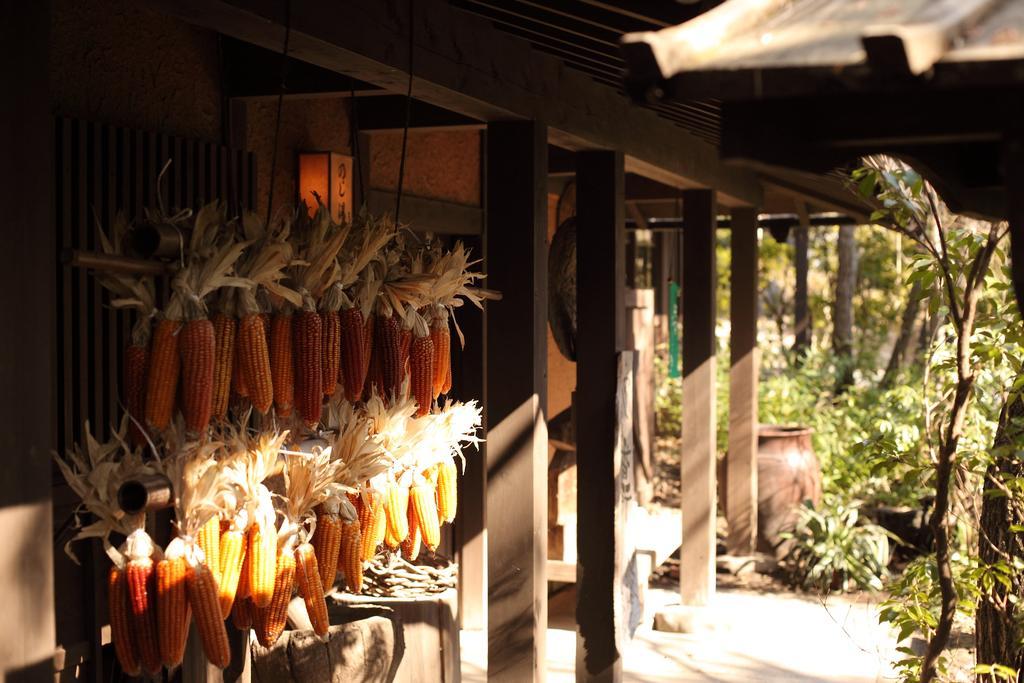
(162, 375)
(421, 498)
(442, 354)
(421, 372)
(387, 344)
(396, 510)
(141, 579)
(447, 490)
(255, 362)
(198, 346)
(282, 369)
(327, 544)
(375, 526)
(232, 558)
(202, 595)
(351, 555)
(269, 621)
(224, 329)
(241, 614)
(121, 631)
(262, 552)
(411, 545)
(208, 539)
(311, 587)
(307, 349)
(331, 353)
(173, 610)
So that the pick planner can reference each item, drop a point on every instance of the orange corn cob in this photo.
(411, 545)
(447, 387)
(369, 325)
(421, 498)
(353, 347)
(375, 526)
(387, 344)
(121, 631)
(208, 539)
(232, 558)
(421, 368)
(262, 552)
(256, 372)
(269, 621)
(447, 490)
(136, 359)
(327, 544)
(351, 555)
(307, 345)
(162, 377)
(141, 579)
(198, 345)
(396, 512)
(311, 587)
(241, 614)
(442, 354)
(281, 365)
(225, 330)
(239, 383)
(243, 592)
(331, 353)
(202, 595)
(173, 610)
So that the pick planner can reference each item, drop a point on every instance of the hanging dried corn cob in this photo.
(421, 498)
(140, 576)
(447, 490)
(202, 595)
(396, 511)
(232, 560)
(269, 621)
(331, 349)
(350, 559)
(411, 545)
(327, 542)
(225, 331)
(208, 539)
(282, 366)
(242, 613)
(421, 364)
(311, 587)
(162, 374)
(441, 336)
(307, 329)
(125, 646)
(174, 611)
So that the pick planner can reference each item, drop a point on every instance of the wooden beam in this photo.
(429, 215)
(600, 215)
(463, 64)
(29, 276)
(744, 364)
(517, 456)
(698, 456)
(378, 114)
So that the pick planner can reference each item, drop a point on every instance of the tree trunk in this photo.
(902, 345)
(801, 311)
(997, 630)
(842, 317)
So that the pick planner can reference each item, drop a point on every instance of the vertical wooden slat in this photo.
(698, 456)
(600, 191)
(98, 336)
(67, 307)
(741, 462)
(516, 254)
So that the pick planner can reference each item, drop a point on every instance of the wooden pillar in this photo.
(744, 361)
(698, 457)
(516, 252)
(1014, 156)
(600, 255)
(28, 275)
(801, 311)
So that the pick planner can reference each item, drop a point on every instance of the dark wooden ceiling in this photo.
(585, 34)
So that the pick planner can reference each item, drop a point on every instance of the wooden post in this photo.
(801, 311)
(600, 190)
(516, 255)
(29, 277)
(744, 361)
(697, 456)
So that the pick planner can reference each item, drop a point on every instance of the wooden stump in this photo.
(364, 644)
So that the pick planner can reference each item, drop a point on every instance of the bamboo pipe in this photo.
(145, 494)
(77, 258)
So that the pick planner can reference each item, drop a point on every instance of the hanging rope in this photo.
(354, 134)
(408, 114)
(280, 104)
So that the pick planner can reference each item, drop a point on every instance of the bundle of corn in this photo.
(95, 472)
(203, 491)
(314, 274)
(453, 284)
(134, 293)
(262, 270)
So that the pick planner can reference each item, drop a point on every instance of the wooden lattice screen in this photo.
(102, 170)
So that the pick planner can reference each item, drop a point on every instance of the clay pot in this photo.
(788, 473)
